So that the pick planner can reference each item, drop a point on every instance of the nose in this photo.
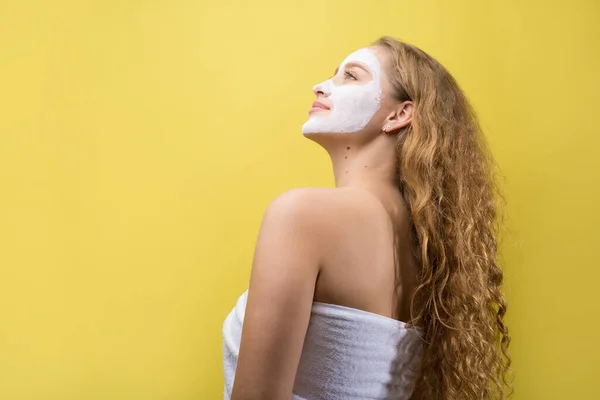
(320, 89)
(317, 90)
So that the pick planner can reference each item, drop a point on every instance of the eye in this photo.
(349, 74)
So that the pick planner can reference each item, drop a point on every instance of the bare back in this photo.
(370, 265)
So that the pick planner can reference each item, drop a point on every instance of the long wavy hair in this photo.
(447, 177)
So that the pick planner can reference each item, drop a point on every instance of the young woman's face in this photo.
(350, 98)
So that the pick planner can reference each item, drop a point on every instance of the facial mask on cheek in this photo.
(353, 105)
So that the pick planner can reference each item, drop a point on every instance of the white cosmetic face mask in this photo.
(353, 105)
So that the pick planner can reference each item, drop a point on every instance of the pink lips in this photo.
(316, 106)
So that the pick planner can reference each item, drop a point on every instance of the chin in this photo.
(312, 135)
(328, 133)
(327, 139)
(318, 137)
(309, 129)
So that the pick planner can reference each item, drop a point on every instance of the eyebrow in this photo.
(353, 64)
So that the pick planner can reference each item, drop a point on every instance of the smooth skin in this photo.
(349, 245)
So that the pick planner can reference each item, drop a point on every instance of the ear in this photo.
(400, 117)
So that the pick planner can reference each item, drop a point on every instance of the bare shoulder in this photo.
(361, 237)
(328, 222)
(327, 207)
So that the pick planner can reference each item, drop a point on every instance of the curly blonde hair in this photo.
(446, 175)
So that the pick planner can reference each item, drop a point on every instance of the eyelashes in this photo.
(346, 74)
(349, 74)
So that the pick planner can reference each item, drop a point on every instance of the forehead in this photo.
(365, 56)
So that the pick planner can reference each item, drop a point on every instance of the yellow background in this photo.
(140, 142)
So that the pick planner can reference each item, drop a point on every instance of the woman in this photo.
(386, 286)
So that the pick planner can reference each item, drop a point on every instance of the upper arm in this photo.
(280, 295)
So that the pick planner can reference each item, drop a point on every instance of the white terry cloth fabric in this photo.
(347, 354)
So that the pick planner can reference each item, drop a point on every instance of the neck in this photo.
(364, 164)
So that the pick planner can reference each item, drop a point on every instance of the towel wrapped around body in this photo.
(348, 354)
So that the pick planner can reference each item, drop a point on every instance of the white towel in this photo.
(347, 354)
